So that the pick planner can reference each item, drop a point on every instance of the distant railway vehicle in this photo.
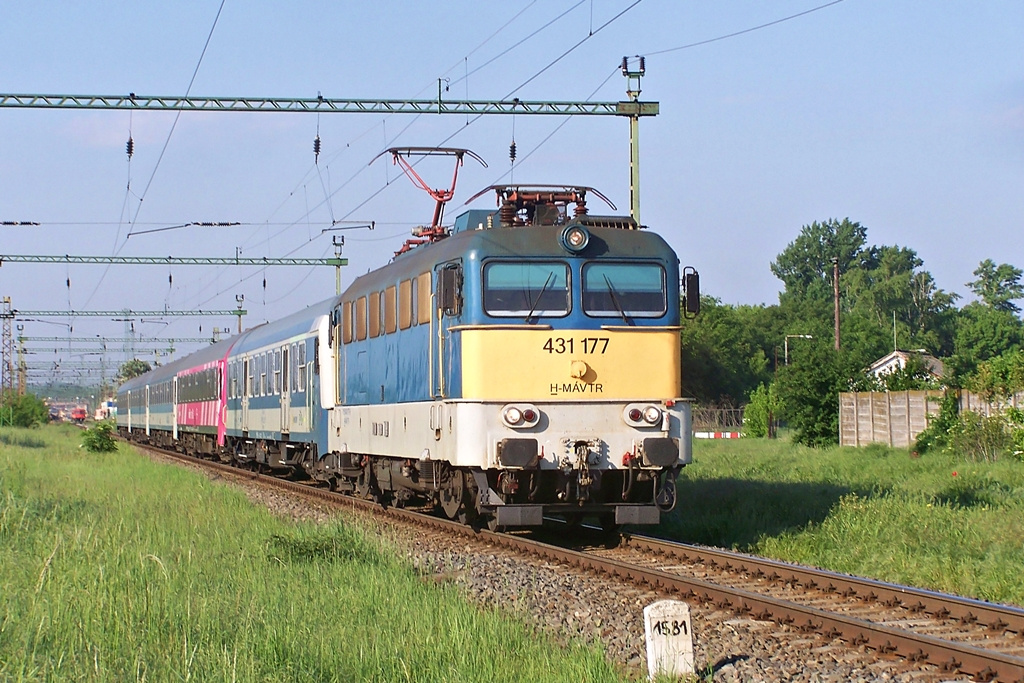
(78, 414)
(524, 362)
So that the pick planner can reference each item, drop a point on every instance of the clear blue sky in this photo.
(905, 116)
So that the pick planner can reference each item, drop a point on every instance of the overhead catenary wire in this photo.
(524, 157)
(742, 32)
(517, 44)
(142, 197)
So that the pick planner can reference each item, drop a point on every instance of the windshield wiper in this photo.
(540, 295)
(615, 300)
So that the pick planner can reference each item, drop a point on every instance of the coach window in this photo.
(518, 289)
(285, 368)
(374, 314)
(390, 314)
(262, 374)
(302, 366)
(424, 310)
(277, 371)
(293, 361)
(361, 318)
(624, 290)
(405, 311)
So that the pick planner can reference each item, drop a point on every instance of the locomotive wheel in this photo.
(366, 487)
(452, 495)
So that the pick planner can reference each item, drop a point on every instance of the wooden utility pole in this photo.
(835, 295)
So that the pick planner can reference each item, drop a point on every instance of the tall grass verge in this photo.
(937, 521)
(113, 567)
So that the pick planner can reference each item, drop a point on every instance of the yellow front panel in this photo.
(570, 365)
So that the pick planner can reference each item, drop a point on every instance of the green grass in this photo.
(113, 567)
(936, 521)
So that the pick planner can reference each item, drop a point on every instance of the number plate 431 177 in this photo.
(584, 345)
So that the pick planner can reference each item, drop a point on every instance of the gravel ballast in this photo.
(569, 604)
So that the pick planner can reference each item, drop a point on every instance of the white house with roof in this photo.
(897, 360)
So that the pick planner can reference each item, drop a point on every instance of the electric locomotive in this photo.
(524, 363)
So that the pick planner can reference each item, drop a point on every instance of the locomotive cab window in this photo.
(624, 290)
(526, 289)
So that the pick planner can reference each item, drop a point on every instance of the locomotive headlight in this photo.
(521, 416)
(652, 415)
(575, 238)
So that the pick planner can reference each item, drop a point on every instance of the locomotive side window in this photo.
(624, 290)
(390, 315)
(361, 318)
(422, 299)
(405, 302)
(346, 322)
(526, 289)
(449, 289)
(374, 314)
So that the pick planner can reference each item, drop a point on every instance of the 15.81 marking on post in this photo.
(669, 638)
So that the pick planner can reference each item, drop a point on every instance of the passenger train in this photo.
(522, 363)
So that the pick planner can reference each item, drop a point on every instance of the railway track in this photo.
(958, 636)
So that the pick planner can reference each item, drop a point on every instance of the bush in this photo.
(980, 437)
(100, 439)
(936, 435)
(761, 412)
(1015, 418)
(27, 410)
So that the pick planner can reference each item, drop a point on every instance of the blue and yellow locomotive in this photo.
(526, 364)
(523, 363)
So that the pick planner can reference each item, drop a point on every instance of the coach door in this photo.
(147, 410)
(448, 304)
(246, 392)
(174, 408)
(286, 400)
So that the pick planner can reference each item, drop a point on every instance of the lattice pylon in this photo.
(7, 360)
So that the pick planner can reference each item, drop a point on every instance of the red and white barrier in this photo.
(716, 435)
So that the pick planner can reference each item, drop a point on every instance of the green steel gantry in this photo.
(18, 313)
(177, 261)
(323, 105)
(633, 109)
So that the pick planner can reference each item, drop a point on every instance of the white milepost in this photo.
(669, 638)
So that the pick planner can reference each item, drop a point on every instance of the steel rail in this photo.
(995, 616)
(949, 656)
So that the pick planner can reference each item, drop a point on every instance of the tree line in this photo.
(735, 354)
